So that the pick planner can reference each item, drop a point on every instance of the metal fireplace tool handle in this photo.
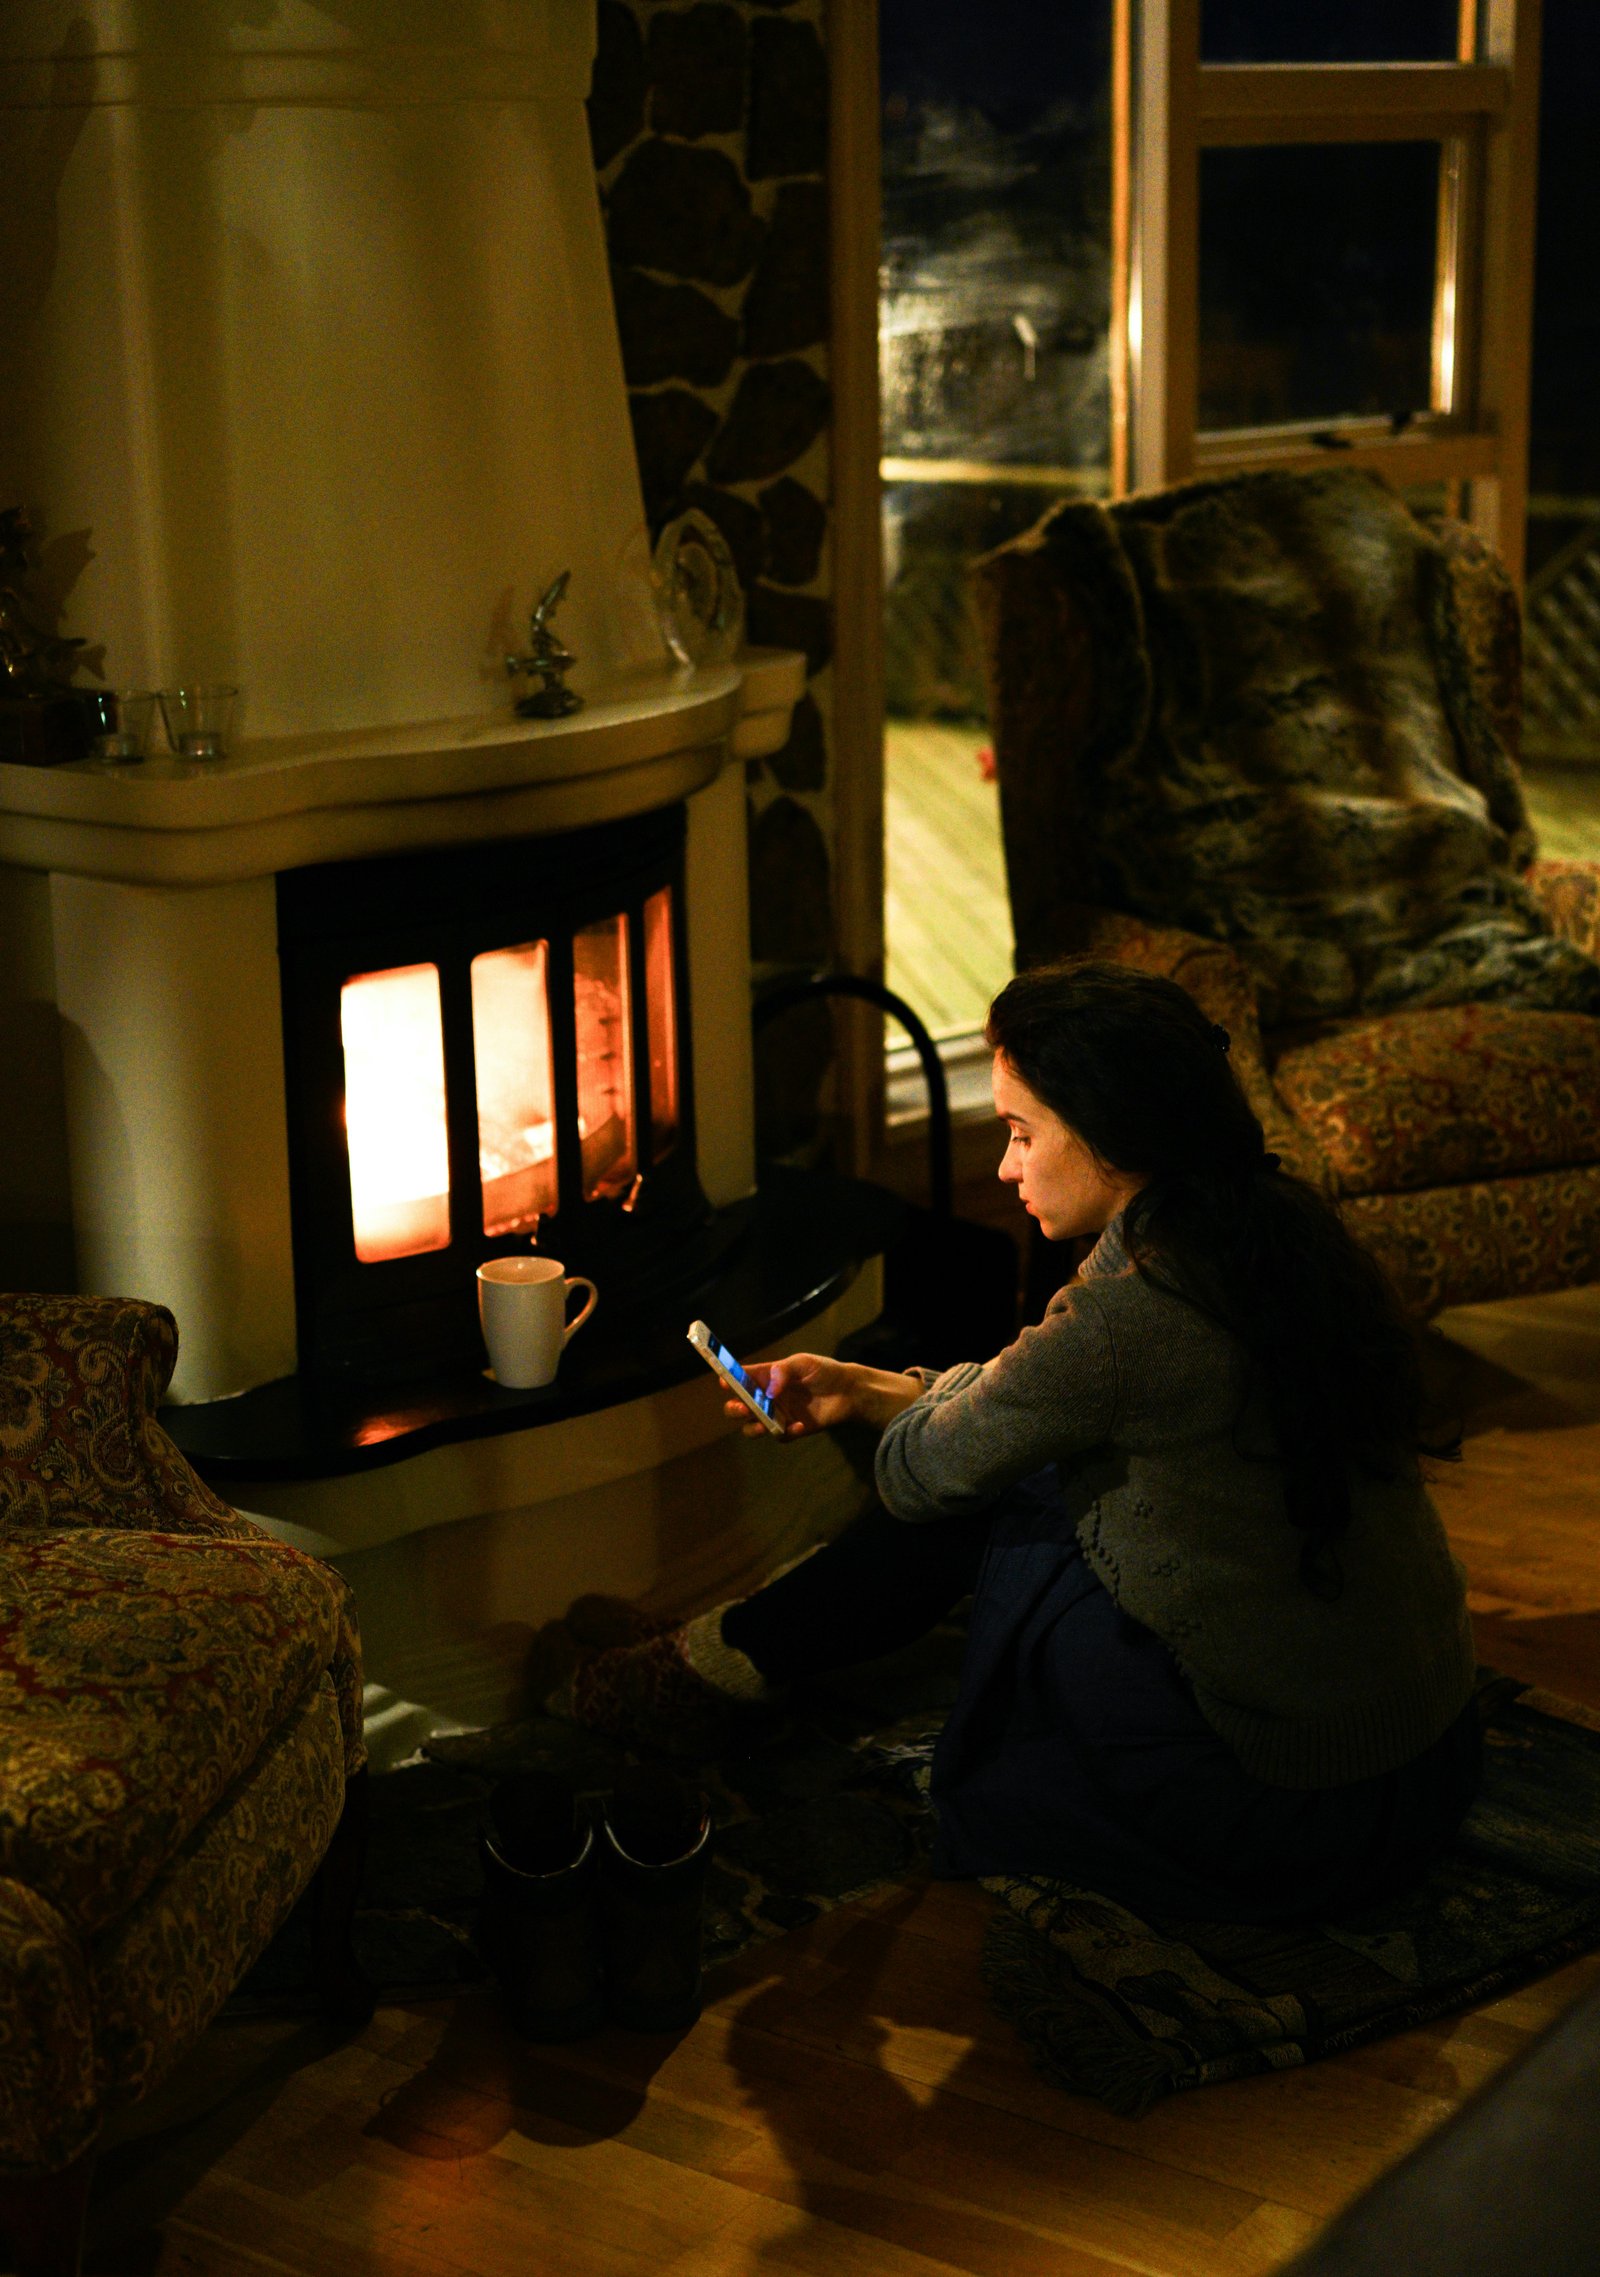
(788, 993)
(950, 1287)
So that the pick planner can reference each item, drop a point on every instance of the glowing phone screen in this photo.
(726, 1360)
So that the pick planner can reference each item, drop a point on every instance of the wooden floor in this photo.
(848, 2106)
(947, 921)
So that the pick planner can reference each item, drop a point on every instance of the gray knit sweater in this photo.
(1133, 1394)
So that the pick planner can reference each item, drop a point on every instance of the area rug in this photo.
(1108, 2005)
(1129, 2010)
(830, 1806)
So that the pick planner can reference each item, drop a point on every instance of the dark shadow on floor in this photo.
(843, 2125)
(1474, 1394)
(483, 2083)
(145, 2174)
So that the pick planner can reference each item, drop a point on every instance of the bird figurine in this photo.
(548, 660)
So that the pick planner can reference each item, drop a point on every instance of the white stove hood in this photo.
(307, 337)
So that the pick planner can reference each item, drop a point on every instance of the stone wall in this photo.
(710, 133)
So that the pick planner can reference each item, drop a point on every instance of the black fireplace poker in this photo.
(950, 1287)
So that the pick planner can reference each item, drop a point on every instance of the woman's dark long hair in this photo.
(1133, 1066)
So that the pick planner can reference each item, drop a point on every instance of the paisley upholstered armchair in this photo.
(180, 1750)
(1260, 735)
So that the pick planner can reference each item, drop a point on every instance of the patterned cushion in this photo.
(1502, 1237)
(140, 1677)
(1448, 1095)
(1569, 894)
(80, 1380)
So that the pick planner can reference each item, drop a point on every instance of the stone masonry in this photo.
(710, 128)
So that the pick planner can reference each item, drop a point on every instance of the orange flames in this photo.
(516, 1088)
(394, 1112)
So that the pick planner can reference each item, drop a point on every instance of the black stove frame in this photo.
(415, 1315)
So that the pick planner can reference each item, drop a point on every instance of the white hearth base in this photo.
(458, 1556)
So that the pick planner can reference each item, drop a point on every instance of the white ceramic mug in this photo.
(522, 1304)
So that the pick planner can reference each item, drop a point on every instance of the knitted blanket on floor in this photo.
(1293, 754)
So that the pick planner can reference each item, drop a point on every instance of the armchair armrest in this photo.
(1487, 622)
(1222, 985)
(80, 1380)
(1569, 894)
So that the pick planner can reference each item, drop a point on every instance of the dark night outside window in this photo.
(1316, 281)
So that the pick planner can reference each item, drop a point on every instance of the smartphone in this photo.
(722, 1363)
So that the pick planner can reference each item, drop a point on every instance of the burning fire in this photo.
(394, 1112)
(516, 1087)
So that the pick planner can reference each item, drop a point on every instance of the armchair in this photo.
(180, 1750)
(1260, 735)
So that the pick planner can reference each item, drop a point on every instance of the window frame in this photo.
(1482, 109)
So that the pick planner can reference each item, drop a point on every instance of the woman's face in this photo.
(1059, 1179)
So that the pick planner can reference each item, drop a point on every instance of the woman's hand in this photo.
(812, 1393)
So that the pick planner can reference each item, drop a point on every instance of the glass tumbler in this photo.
(198, 718)
(127, 736)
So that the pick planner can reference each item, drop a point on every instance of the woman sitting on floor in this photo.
(1219, 1660)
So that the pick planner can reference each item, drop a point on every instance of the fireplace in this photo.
(318, 378)
(484, 1047)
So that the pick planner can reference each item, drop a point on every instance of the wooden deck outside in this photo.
(947, 920)
(848, 2106)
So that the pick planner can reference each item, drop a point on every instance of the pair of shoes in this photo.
(585, 1920)
(676, 1691)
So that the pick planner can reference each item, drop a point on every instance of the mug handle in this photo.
(579, 1281)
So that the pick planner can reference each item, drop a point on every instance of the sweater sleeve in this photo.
(978, 1430)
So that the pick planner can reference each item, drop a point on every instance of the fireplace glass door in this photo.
(395, 1127)
(661, 1023)
(486, 1048)
(515, 1086)
(603, 1015)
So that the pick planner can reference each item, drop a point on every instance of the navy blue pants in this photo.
(1075, 1747)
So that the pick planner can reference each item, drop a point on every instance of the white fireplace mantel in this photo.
(647, 738)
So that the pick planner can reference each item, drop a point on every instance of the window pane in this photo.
(516, 1087)
(661, 1020)
(995, 281)
(1316, 281)
(394, 1112)
(994, 304)
(605, 1058)
(1339, 31)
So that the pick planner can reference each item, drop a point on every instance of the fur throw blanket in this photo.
(1292, 755)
